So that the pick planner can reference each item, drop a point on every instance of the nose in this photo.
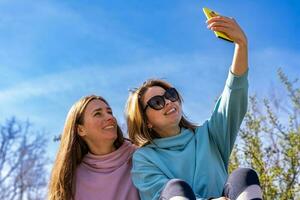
(168, 101)
(111, 121)
(109, 116)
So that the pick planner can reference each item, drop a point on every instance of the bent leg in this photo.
(177, 189)
(243, 184)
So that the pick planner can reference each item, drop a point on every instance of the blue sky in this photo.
(54, 52)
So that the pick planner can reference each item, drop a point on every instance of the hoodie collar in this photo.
(111, 161)
(176, 142)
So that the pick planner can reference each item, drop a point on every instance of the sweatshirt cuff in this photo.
(237, 82)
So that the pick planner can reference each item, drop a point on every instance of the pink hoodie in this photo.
(106, 177)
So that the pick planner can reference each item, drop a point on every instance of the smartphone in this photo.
(209, 14)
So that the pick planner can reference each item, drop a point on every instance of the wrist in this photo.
(241, 46)
(242, 43)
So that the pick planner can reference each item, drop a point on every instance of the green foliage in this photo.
(269, 142)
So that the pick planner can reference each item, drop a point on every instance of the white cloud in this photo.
(35, 96)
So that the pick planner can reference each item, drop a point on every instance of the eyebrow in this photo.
(157, 95)
(100, 109)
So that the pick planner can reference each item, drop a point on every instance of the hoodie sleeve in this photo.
(147, 177)
(228, 114)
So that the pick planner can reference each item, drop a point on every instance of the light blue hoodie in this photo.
(200, 158)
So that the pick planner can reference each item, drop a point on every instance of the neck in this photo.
(102, 149)
(169, 131)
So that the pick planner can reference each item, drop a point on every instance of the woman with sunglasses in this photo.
(178, 159)
(94, 160)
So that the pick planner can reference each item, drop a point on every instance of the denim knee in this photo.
(177, 188)
(246, 176)
(238, 181)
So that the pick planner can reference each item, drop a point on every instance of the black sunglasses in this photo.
(158, 102)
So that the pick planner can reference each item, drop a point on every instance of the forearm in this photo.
(240, 59)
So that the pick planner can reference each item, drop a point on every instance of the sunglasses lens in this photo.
(171, 94)
(157, 102)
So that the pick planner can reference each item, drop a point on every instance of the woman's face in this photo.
(165, 120)
(99, 126)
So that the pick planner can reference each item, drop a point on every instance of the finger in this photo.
(218, 24)
(225, 30)
(220, 18)
(232, 26)
(228, 19)
(213, 19)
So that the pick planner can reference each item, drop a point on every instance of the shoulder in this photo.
(143, 153)
(202, 130)
(129, 144)
(199, 128)
(127, 148)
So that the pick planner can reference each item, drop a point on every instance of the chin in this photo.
(110, 135)
(178, 117)
(114, 136)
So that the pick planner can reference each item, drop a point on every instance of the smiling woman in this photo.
(92, 153)
(179, 160)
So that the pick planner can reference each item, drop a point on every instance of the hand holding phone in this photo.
(209, 14)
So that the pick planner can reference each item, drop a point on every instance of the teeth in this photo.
(171, 110)
(108, 127)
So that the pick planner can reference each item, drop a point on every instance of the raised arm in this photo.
(230, 27)
(231, 107)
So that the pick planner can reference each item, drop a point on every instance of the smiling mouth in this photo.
(109, 127)
(172, 110)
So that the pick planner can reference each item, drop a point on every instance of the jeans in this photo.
(236, 186)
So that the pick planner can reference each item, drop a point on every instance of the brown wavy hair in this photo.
(71, 152)
(136, 118)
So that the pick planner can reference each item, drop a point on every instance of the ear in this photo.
(149, 125)
(81, 130)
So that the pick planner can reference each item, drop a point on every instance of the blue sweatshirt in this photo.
(200, 158)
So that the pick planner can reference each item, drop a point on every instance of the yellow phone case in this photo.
(209, 14)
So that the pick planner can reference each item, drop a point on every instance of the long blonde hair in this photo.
(71, 152)
(138, 131)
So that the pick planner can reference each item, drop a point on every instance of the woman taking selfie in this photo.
(179, 160)
(94, 160)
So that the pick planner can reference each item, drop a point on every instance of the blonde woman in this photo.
(94, 160)
(179, 160)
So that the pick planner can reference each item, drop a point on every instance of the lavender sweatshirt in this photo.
(106, 177)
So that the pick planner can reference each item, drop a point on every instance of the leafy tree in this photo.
(22, 162)
(269, 142)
